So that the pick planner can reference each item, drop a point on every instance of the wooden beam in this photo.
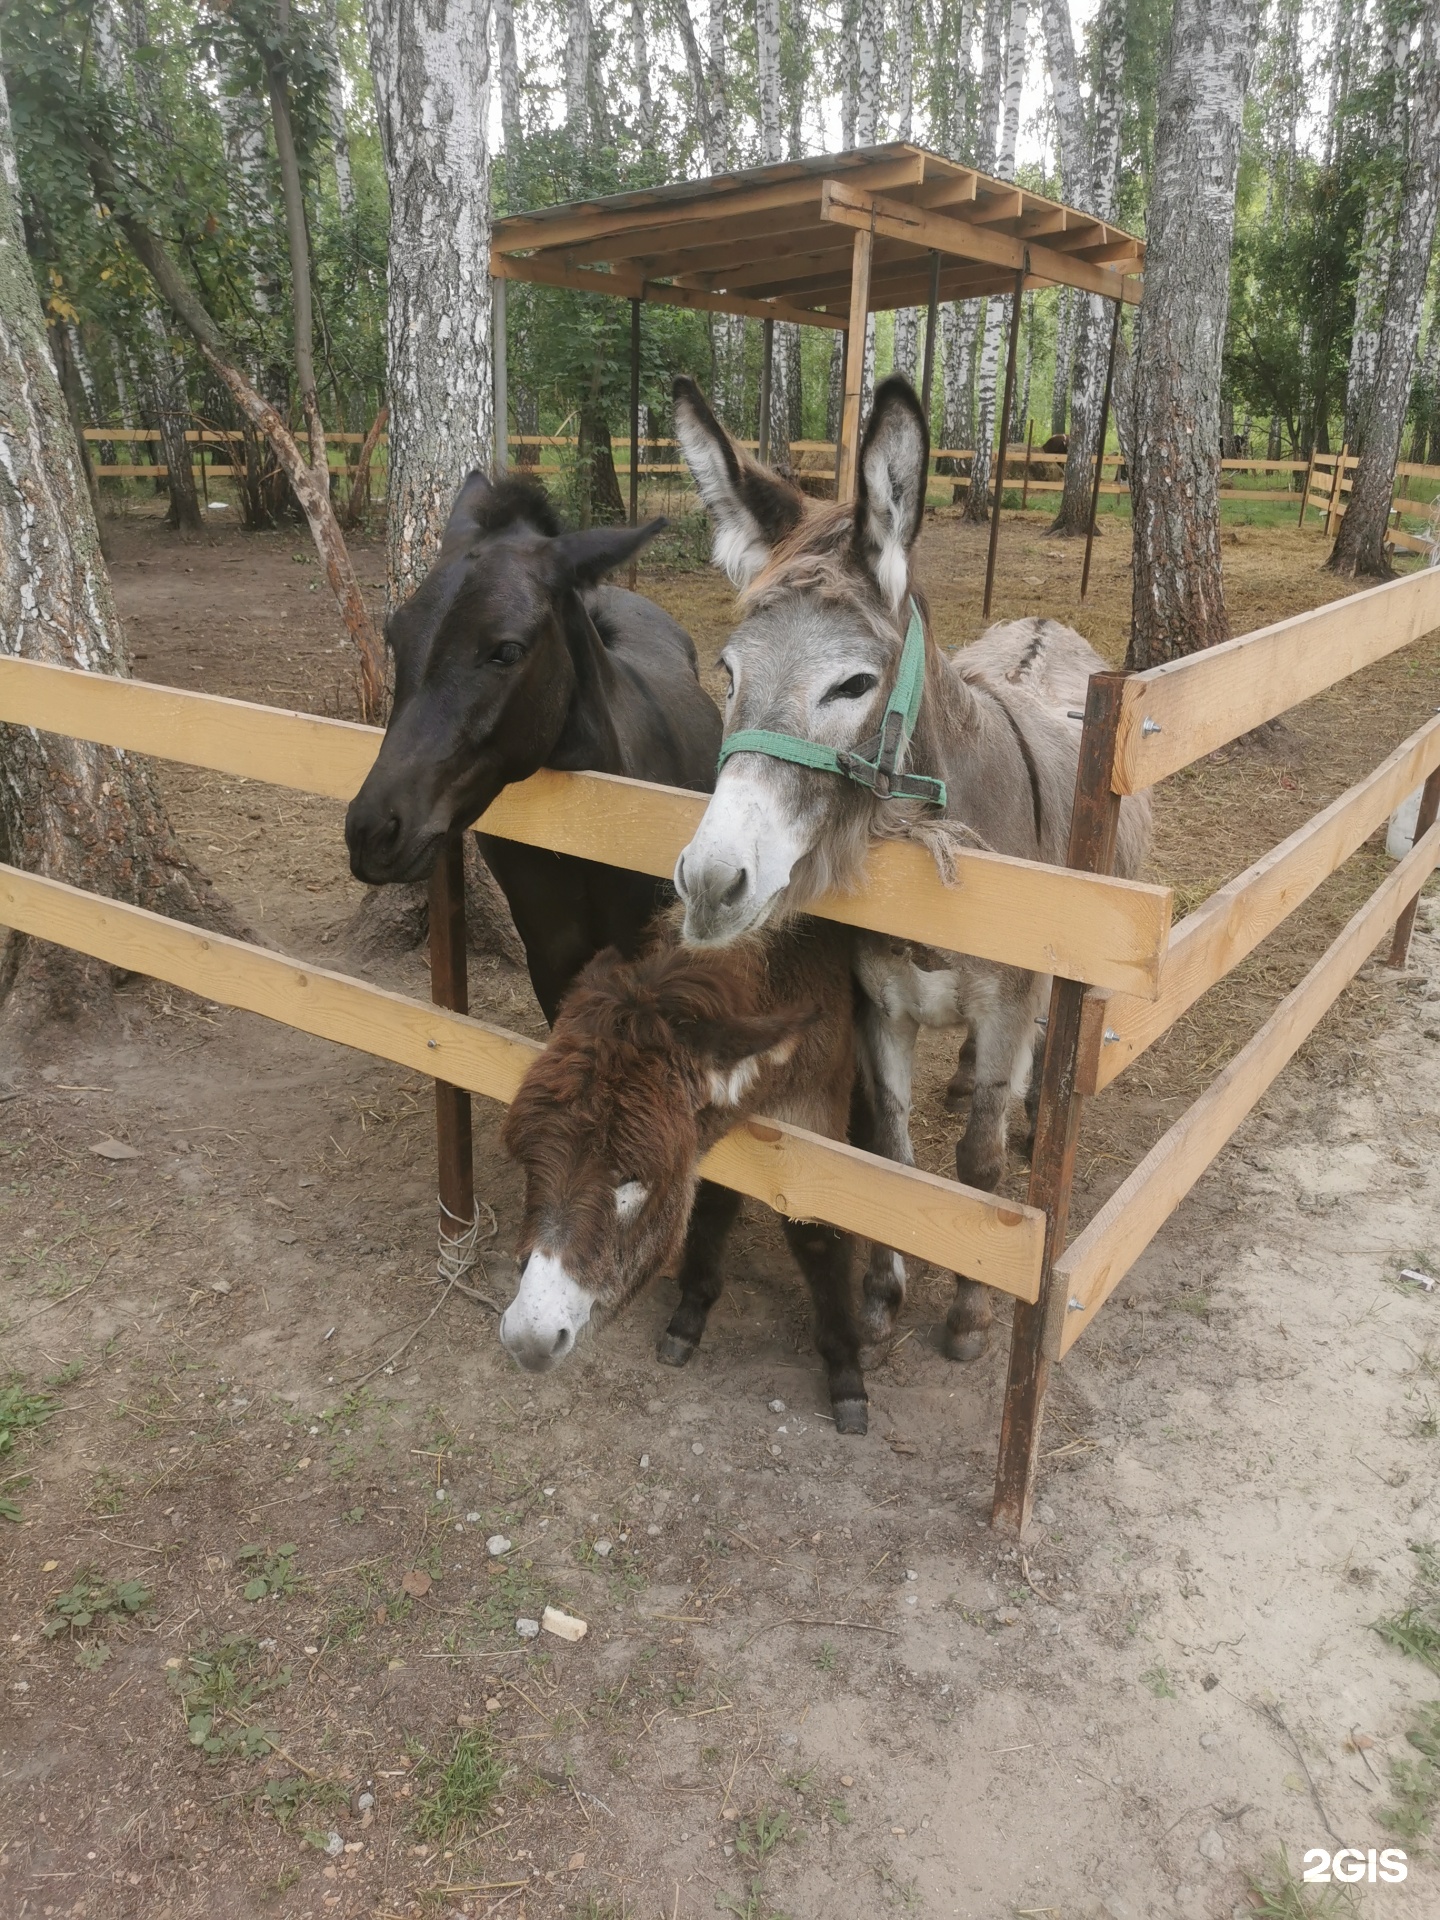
(996, 207)
(895, 220)
(1176, 713)
(1208, 943)
(1046, 220)
(849, 457)
(690, 234)
(801, 1174)
(586, 225)
(1099, 1258)
(626, 285)
(1045, 919)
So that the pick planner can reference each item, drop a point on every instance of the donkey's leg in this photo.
(962, 1081)
(701, 1281)
(823, 1255)
(1003, 1055)
(885, 1053)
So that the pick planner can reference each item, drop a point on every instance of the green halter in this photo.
(875, 762)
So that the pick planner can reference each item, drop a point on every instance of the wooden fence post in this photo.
(450, 987)
(1035, 1333)
(1305, 496)
(1332, 516)
(1029, 451)
(1425, 819)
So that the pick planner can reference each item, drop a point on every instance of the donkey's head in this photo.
(484, 671)
(648, 1060)
(824, 612)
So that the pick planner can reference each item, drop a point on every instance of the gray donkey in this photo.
(815, 671)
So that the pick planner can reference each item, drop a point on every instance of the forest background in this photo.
(576, 99)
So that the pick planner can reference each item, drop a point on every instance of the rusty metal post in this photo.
(1424, 820)
(1100, 451)
(450, 987)
(999, 477)
(1035, 1332)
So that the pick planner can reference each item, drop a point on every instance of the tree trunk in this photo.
(1360, 545)
(335, 105)
(1066, 300)
(84, 814)
(640, 65)
(1179, 599)
(172, 416)
(578, 28)
(997, 310)
(1381, 213)
(1427, 422)
(767, 61)
(431, 73)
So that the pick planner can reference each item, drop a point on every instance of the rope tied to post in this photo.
(459, 1252)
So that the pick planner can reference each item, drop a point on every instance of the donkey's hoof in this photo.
(967, 1345)
(674, 1350)
(981, 1171)
(851, 1416)
(877, 1322)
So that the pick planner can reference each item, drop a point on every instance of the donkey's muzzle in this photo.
(541, 1324)
(716, 897)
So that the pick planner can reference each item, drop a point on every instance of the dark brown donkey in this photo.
(511, 656)
(651, 1061)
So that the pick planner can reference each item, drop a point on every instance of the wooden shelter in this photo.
(822, 242)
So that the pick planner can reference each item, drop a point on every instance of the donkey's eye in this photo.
(509, 654)
(729, 672)
(855, 688)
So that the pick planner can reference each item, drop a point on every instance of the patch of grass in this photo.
(21, 1412)
(1197, 1305)
(274, 1574)
(826, 1657)
(67, 1375)
(1416, 1783)
(1277, 1894)
(460, 1789)
(285, 1797)
(751, 1905)
(217, 1687)
(1416, 1631)
(758, 1837)
(512, 1592)
(1158, 1681)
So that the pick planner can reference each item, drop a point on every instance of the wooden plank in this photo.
(996, 207)
(1035, 1329)
(1208, 943)
(986, 1238)
(625, 285)
(587, 225)
(1100, 1257)
(1108, 932)
(895, 220)
(1194, 705)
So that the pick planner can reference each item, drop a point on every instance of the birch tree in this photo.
(1178, 594)
(431, 69)
(1378, 233)
(335, 103)
(640, 62)
(869, 52)
(507, 59)
(85, 814)
(907, 319)
(707, 72)
(767, 61)
(1360, 544)
(977, 501)
(578, 28)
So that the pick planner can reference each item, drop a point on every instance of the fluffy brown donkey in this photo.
(650, 1063)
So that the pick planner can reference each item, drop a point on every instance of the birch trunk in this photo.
(1377, 235)
(1064, 357)
(578, 28)
(1360, 545)
(997, 310)
(1179, 598)
(335, 105)
(907, 319)
(84, 814)
(767, 51)
(172, 415)
(639, 60)
(1427, 425)
(712, 116)
(869, 52)
(431, 67)
(507, 58)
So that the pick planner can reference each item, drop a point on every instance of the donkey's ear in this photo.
(890, 495)
(752, 509)
(474, 490)
(587, 557)
(733, 1050)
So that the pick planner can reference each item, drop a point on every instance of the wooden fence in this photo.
(1122, 977)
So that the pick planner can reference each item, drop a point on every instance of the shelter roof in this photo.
(777, 242)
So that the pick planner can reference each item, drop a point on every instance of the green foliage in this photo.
(1278, 1894)
(275, 1574)
(459, 1790)
(758, 1837)
(217, 1687)
(20, 1411)
(89, 1601)
(1416, 1783)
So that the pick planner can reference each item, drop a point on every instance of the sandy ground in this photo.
(812, 1673)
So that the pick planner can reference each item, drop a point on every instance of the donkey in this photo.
(509, 657)
(831, 621)
(650, 1062)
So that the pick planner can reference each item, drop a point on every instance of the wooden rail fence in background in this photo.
(1122, 977)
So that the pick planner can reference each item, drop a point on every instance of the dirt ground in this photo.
(259, 1659)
